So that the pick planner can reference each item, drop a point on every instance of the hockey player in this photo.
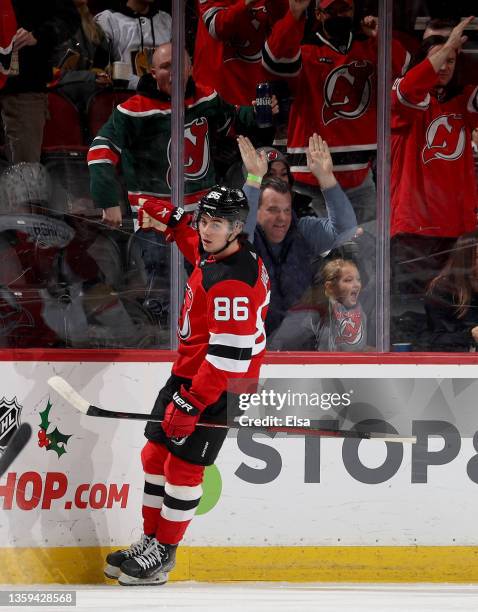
(221, 337)
(333, 76)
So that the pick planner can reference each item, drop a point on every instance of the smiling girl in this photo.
(343, 328)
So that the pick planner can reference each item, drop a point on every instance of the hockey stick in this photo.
(15, 446)
(67, 392)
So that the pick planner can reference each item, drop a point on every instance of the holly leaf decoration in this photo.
(58, 441)
(45, 423)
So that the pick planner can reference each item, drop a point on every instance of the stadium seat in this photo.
(101, 106)
(63, 129)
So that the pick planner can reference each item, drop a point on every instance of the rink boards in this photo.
(275, 507)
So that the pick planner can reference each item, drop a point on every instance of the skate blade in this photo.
(111, 571)
(156, 580)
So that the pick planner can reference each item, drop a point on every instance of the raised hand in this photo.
(255, 163)
(437, 55)
(320, 162)
(370, 26)
(456, 38)
(298, 7)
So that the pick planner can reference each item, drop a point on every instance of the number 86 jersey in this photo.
(221, 327)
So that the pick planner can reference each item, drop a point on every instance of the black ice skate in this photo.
(115, 559)
(152, 567)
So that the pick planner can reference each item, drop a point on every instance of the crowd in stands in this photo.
(85, 105)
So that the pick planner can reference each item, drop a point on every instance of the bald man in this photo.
(139, 134)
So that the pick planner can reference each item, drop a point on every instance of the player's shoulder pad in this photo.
(242, 266)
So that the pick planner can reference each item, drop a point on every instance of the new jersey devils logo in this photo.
(184, 327)
(349, 327)
(196, 151)
(347, 91)
(446, 139)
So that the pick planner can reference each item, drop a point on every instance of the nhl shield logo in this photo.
(9, 420)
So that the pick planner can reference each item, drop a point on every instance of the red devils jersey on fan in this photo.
(229, 39)
(221, 327)
(433, 181)
(335, 96)
(8, 28)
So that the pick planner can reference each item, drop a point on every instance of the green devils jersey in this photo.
(138, 134)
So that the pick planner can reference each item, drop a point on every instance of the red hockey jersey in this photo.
(335, 96)
(8, 28)
(221, 327)
(433, 182)
(229, 39)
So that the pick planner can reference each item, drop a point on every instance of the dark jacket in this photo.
(80, 55)
(446, 332)
(291, 272)
(51, 22)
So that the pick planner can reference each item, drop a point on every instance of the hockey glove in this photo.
(181, 415)
(159, 215)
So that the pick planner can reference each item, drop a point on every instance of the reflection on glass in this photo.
(66, 280)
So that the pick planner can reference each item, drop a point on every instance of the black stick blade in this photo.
(15, 446)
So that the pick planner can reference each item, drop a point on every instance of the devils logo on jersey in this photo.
(446, 139)
(348, 91)
(349, 327)
(196, 151)
(184, 327)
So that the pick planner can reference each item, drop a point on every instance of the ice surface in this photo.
(269, 597)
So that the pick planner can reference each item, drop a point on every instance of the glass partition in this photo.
(76, 159)
(433, 179)
(359, 233)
